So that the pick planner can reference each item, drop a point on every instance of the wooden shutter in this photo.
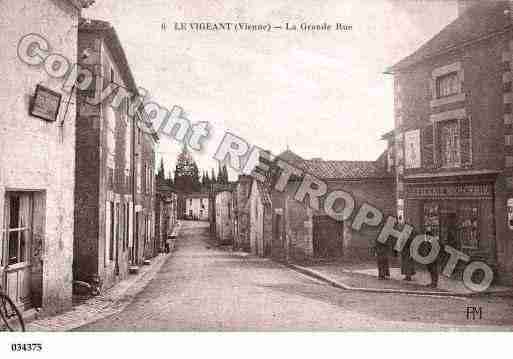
(428, 158)
(465, 141)
(106, 80)
(432, 88)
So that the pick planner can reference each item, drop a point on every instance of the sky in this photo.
(321, 94)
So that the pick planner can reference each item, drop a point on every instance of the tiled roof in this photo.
(289, 156)
(164, 187)
(342, 169)
(478, 21)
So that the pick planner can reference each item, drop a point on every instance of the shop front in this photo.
(460, 212)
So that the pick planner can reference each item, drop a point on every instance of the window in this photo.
(125, 226)
(143, 176)
(112, 231)
(112, 78)
(19, 229)
(110, 178)
(431, 219)
(118, 229)
(449, 143)
(467, 227)
(447, 85)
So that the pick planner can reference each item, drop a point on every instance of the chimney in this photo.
(464, 5)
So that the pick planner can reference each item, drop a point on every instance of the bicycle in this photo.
(10, 314)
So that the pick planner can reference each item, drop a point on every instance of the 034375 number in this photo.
(33, 347)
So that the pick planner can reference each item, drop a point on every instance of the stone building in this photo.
(166, 211)
(241, 213)
(145, 241)
(260, 209)
(114, 166)
(37, 142)
(103, 191)
(224, 217)
(301, 233)
(453, 136)
(196, 206)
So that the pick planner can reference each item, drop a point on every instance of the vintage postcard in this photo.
(255, 166)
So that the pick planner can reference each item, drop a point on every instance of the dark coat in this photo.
(407, 262)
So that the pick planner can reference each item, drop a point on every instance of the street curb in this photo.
(325, 278)
(100, 307)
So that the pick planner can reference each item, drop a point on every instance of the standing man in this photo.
(407, 262)
(381, 252)
(433, 266)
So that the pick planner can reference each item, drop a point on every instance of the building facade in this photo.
(196, 206)
(145, 241)
(241, 213)
(260, 209)
(37, 138)
(115, 159)
(453, 137)
(104, 201)
(224, 217)
(301, 233)
(166, 219)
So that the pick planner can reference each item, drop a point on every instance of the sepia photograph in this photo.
(336, 172)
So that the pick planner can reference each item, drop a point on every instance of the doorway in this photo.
(18, 250)
(327, 237)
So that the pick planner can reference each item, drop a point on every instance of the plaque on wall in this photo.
(46, 104)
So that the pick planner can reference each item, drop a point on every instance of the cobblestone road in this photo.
(202, 287)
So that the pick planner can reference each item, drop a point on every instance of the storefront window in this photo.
(468, 225)
(431, 219)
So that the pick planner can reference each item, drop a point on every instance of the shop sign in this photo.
(46, 104)
(467, 190)
(412, 149)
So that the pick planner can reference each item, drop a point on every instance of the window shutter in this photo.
(465, 141)
(432, 88)
(428, 159)
(106, 76)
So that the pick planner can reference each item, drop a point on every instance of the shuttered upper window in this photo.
(447, 144)
(447, 85)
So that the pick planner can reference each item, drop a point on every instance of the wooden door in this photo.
(327, 237)
(17, 248)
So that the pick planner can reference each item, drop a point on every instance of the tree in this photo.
(207, 180)
(196, 184)
(220, 179)
(213, 176)
(186, 172)
(225, 175)
(222, 174)
(169, 179)
(161, 172)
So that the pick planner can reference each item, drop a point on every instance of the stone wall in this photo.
(40, 155)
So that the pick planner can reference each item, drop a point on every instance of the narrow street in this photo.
(201, 287)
